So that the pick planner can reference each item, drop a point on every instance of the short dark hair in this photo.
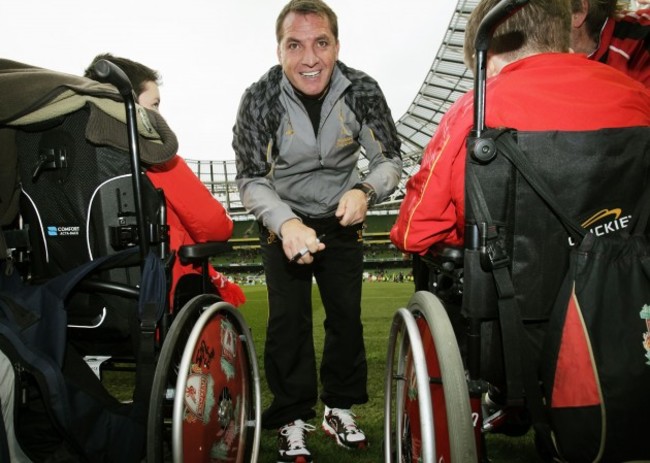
(138, 73)
(303, 7)
(540, 26)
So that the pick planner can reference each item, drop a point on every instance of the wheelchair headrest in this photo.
(34, 95)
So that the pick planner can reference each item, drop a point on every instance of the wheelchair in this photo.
(454, 349)
(84, 199)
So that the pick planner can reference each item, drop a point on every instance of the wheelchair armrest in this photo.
(196, 253)
(108, 287)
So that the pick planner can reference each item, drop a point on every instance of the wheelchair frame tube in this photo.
(118, 78)
(481, 150)
(492, 19)
(489, 23)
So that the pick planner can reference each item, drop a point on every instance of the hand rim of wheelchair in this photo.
(404, 319)
(180, 344)
(459, 430)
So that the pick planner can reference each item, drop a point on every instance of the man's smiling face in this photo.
(308, 52)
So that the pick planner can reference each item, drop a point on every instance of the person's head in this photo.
(587, 19)
(144, 80)
(541, 26)
(308, 44)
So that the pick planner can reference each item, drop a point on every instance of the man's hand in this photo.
(296, 237)
(352, 208)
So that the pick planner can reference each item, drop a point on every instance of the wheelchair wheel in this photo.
(428, 388)
(187, 337)
(164, 382)
(217, 418)
(398, 446)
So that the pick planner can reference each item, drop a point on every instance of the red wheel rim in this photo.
(216, 395)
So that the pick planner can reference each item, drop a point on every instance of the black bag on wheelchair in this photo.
(64, 413)
(597, 372)
(595, 363)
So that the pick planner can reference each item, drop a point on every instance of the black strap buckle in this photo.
(493, 253)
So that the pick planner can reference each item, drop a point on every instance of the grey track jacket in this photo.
(283, 167)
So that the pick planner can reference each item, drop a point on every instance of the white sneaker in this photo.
(291, 443)
(341, 425)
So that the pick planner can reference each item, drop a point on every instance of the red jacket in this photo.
(550, 91)
(624, 44)
(193, 216)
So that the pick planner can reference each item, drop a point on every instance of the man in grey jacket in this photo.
(297, 141)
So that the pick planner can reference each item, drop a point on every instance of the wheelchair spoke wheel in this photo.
(164, 382)
(428, 388)
(216, 418)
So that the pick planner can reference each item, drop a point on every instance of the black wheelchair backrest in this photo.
(598, 178)
(77, 198)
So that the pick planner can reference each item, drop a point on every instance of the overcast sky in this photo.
(209, 51)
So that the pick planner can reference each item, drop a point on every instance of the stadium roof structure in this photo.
(447, 80)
